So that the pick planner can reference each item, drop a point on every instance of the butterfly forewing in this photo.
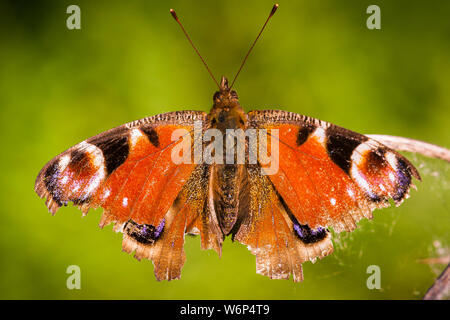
(331, 176)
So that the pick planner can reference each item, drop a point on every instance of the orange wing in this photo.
(279, 242)
(189, 213)
(331, 176)
(320, 176)
(129, 172)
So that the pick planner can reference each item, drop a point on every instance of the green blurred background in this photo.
(130, 60)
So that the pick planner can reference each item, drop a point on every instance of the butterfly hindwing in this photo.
(189, 213)
(273, 235)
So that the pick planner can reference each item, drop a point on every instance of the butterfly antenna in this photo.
(274, 9)
(174, 15)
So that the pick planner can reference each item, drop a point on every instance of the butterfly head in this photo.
(226, 108)
(225, 96)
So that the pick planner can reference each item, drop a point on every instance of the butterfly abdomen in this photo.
(229, 196)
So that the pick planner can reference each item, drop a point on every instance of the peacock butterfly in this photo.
(326, 177)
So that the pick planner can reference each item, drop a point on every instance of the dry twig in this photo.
(441, 287)
(411, 145)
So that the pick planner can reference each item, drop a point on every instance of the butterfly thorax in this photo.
(228, 184)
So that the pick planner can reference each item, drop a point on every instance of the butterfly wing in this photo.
(129, 172)
(325, 176)
(268, 229)
(331, 176)
(190, 213)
